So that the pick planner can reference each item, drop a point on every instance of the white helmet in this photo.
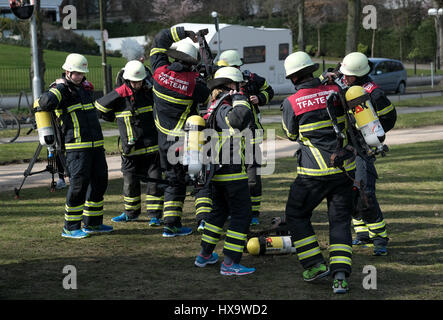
(299, 61)
(76, 62)
(230, 58)
(225, 75)
(184, 51)
(355, 64)
(134, 71)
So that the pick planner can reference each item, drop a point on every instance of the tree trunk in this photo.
(353, 24)
(318, 41)
(373, 43)
(301, 14)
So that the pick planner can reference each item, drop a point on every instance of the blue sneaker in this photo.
(362, 243)
(155, 222)
(201, 226)
(380, 251)
(201, 261)
(255, 221)
(97, 229)
(169, 232)
(235, 269)
(74, 234)
(123, 218)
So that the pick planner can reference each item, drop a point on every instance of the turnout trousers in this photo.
(135, 169)
(368, 221)
(229, 198)
(254, 180)
(304, 196)
(88, 182)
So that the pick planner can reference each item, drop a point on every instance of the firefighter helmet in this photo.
(355, 64)
(230, 58)
(76, 62)
(225, 75)
(134, 71)
(299, 62)
(184, 51)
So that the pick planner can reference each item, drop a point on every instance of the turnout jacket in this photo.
(258, 86)
(133, 113)
(177, 90)
(74, 109)
(306, 120)
(232, 115)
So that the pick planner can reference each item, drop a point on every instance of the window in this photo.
(254, 54)
(283, 51)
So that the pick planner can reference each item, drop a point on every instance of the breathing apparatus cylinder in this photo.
(44, 127)
(270, 245)
(366, 117)
(194, 140)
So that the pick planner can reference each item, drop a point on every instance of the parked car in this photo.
(389, 74)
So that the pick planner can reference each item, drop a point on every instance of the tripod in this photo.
(53, 166)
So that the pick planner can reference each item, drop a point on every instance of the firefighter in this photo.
(70, 97)
(306, 120)
(132, 50)
(131, 106)
(368, 221)
(260, 93)
(230, 113)
(177, 92)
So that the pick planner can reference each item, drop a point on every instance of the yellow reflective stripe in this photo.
(157, 50)
(213, 228)
(88, 106)
(142, 151)
(94, 204)
(385, 110)
(288, 134)
(322, 172)
(144, 109)
(132, 199)
(340, 247)
(202, 209)
(383, 234)
(340, 259)
(229, 177)
(231, 129)
(92, 213)
(133, 207)
(241, 103)
(357, 222)
(236, 235)
(257, 198)
(309, 253)
(305, 241)
(233, 247)
(74, 209)
(76, 127)
(73, 218)
(377, 225)
(99, 107)
(57, 93)
(255, 208)
(74, 107)
(361, 229)
(172, 99)
(171, 214)
(315, 152)
(129, 132)
(174, 34)
(173, 204)
(209, 239)
(320, 124)
(154, 198)
(123, 114)
(203, 200)
(154, 206)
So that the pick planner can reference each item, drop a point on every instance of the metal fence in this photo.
(16, 79)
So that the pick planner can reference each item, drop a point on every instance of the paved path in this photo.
(11, 176)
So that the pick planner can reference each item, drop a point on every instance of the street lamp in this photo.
(437, 13)
(214, 14)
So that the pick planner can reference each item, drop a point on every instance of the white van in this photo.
(263, 49)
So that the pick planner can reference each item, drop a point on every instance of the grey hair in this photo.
(132, 50)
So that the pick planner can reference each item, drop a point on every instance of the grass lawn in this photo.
(136, 262)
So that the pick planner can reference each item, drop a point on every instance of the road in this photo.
(11, 176)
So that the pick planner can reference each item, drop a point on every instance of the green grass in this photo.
(135, 262)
